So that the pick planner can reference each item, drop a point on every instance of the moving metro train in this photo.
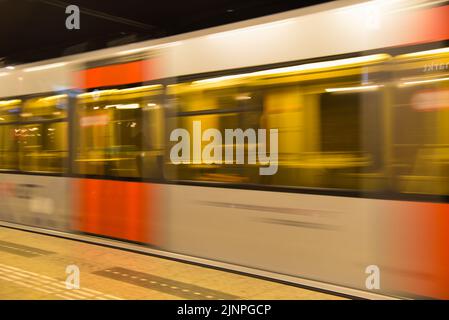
(359, 94)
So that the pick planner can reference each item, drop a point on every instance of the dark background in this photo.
(32, 30)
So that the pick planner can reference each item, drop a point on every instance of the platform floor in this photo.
(33, 266)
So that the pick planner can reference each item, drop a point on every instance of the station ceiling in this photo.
(32, 30)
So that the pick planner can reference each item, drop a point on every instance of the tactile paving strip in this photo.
(21, 250)
(48, 285)
(172, 287)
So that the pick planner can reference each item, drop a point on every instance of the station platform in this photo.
(34, 266)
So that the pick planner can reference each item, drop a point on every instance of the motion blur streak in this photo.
(357, 91)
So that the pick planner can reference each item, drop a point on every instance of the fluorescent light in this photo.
(45, 67)
(152, 106)
(96, 93)
(153, 86)
(326, 64)
(128, 106)
(425, 53)
(218, 79)
(9, 102)
(359, 88)
(123, 106)
(410, 83)
(298, 68)
(243, 97)
(59, 96)
(10, 67)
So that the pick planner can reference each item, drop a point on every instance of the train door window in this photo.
(9, 116)
(420, 124)
(42, 134)
(120, 132)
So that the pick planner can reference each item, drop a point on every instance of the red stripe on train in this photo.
(118, 74)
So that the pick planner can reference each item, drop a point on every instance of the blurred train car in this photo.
(359, 92)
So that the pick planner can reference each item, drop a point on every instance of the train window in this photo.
(9, 115)
(120, 132)
(420, 123)
(340, 122)
(42, 134)
(329, 117)
(331, 138)
(213, 107)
